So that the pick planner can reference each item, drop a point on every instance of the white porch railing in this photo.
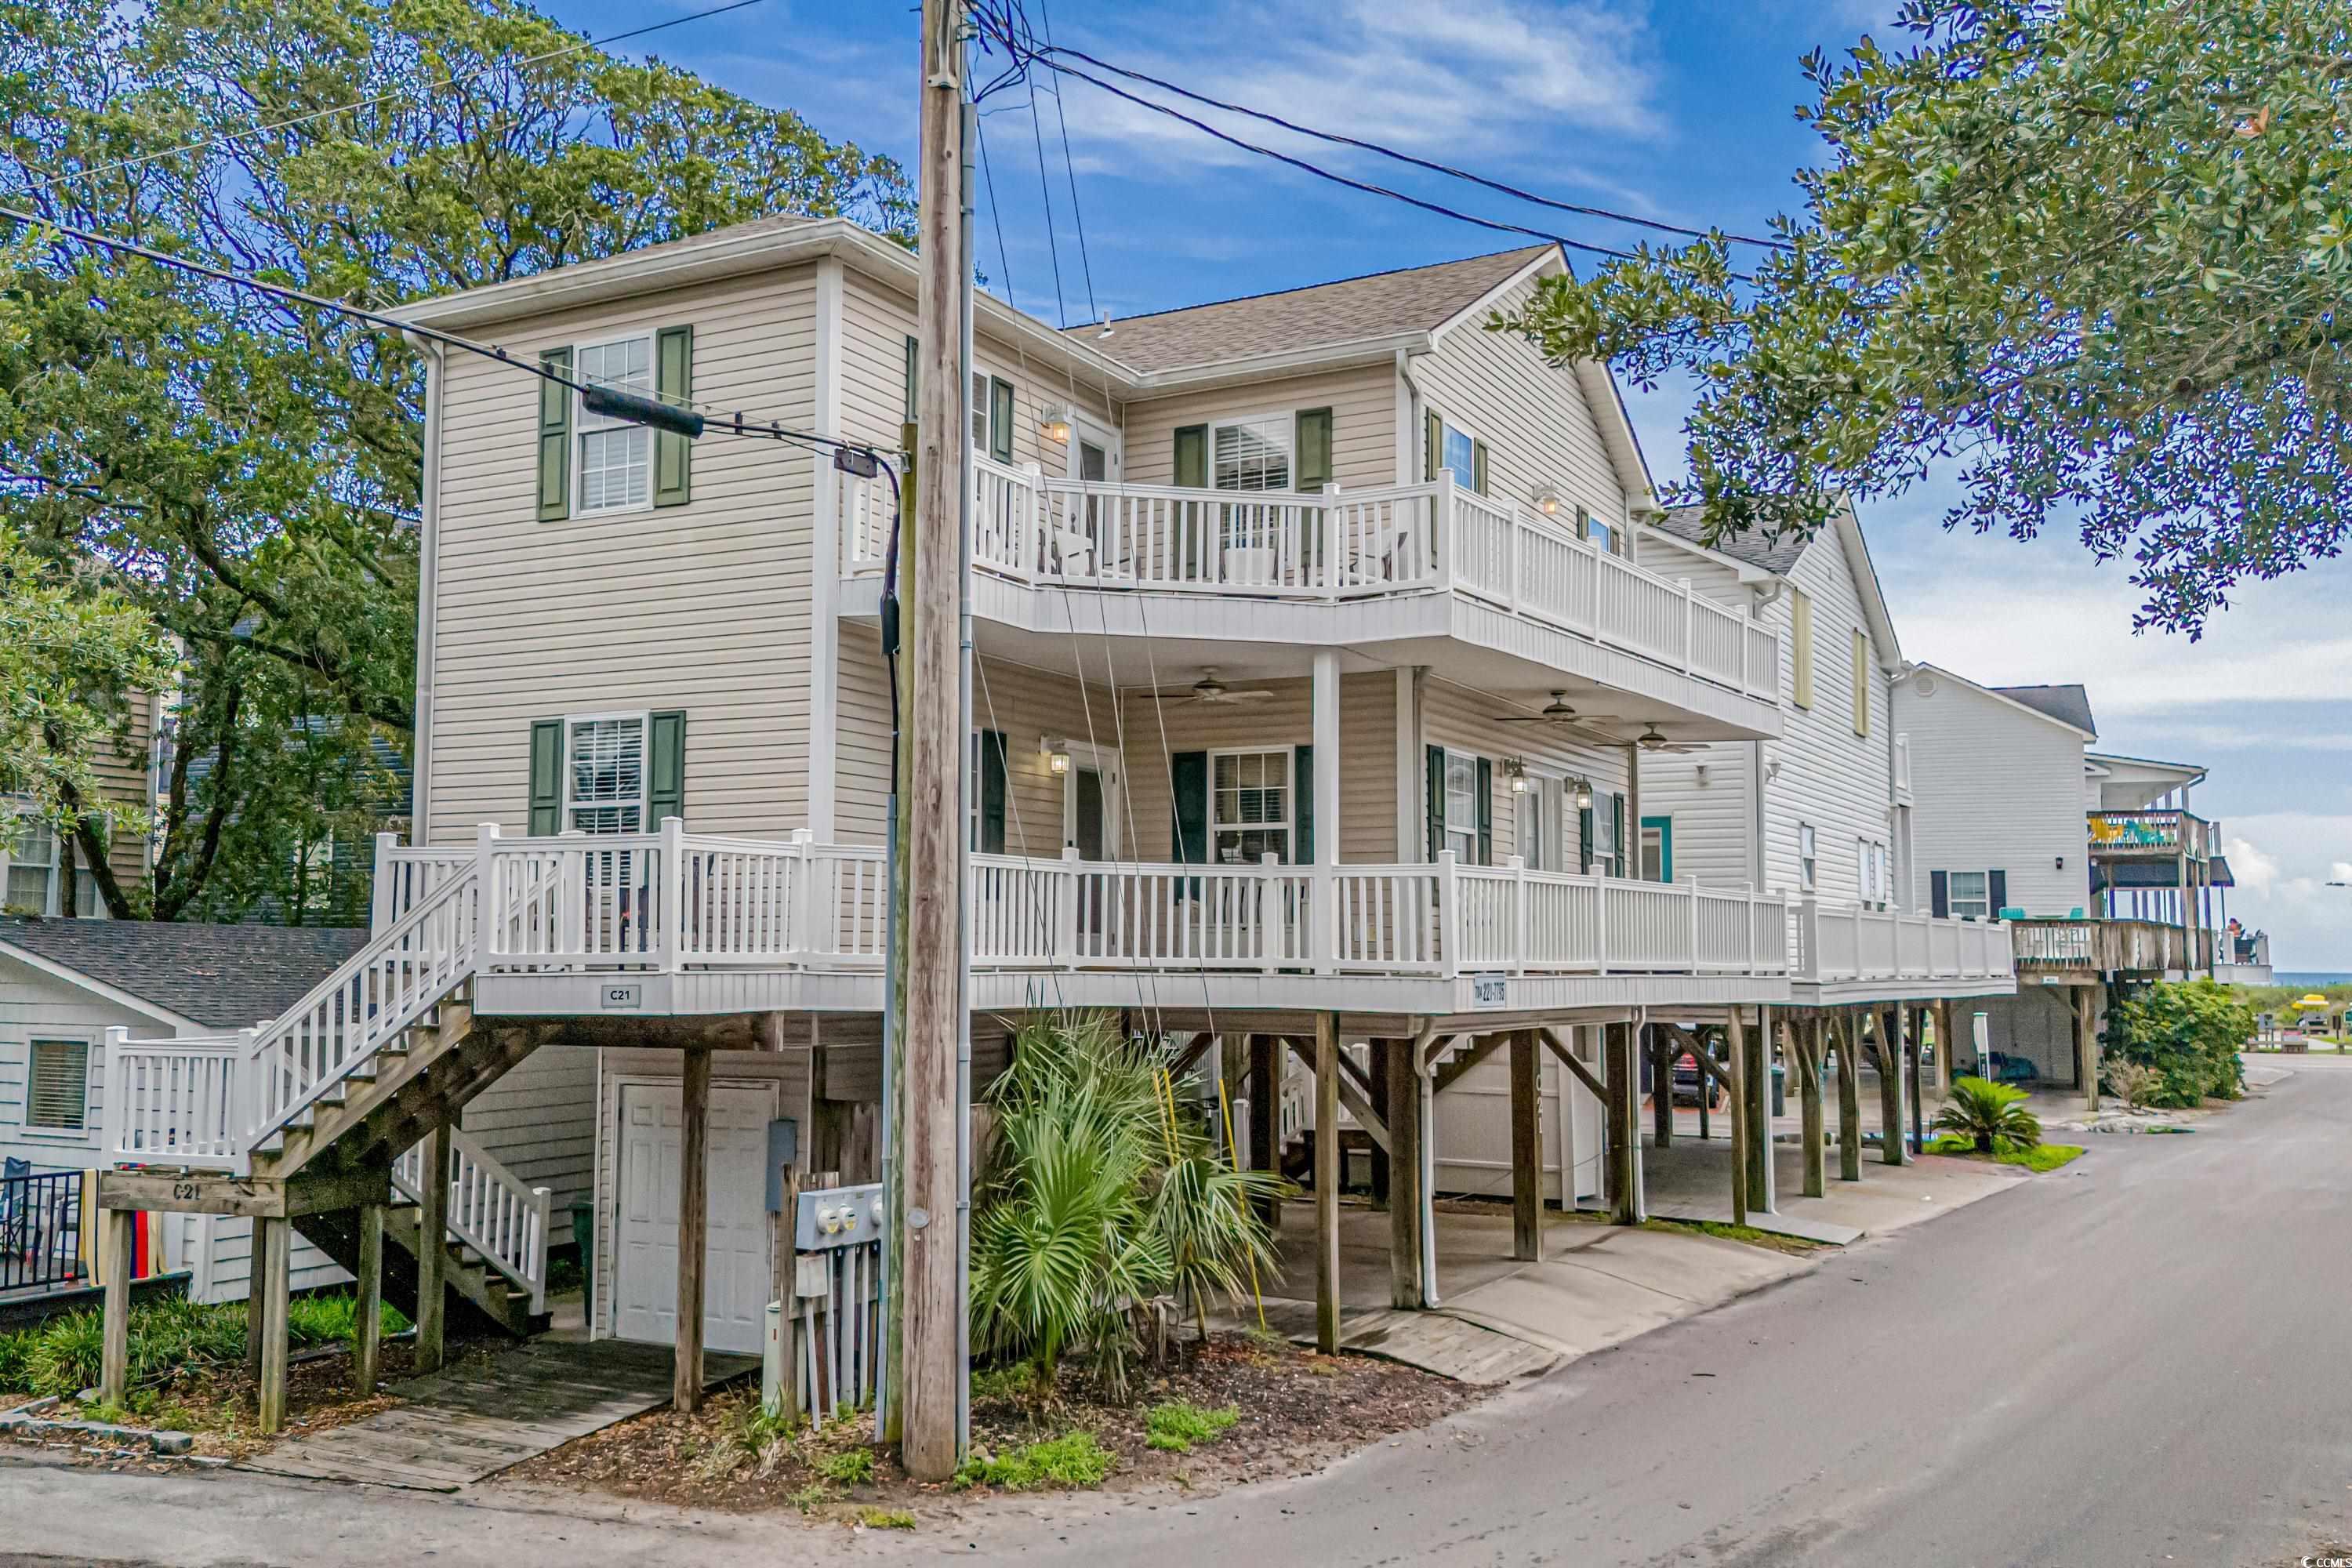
(1332, 544)
(490, 1210)
(1848, 942)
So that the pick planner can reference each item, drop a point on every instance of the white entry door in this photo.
(737, 1277)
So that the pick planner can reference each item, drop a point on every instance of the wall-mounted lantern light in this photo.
(1057, 755)
(1053, 422)
(1584, 795)
(1517, 771)
(1549, 501)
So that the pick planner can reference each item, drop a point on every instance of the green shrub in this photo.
(1073, 1459)
(2134, 1083)
(68, 1355)
(64, 1356)
(1175, 1426)
(1988, 1116)
(1100, 1192)
(2189, 1033)
(849, 1467)
(15, 1353)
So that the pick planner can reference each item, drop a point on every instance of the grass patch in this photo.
(1175, 1426)
(849, 1467)
(885, 1519)
(62, 1356)
(811, 1498)
(1074, 1460)
(2039, 1158)
(1770, 1240)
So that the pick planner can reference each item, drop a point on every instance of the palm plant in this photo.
(1989, 1115)
(1099, 1194)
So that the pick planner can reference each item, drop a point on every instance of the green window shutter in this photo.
(1434, 801)
(1486, 812)
(674, 380)
(546, 777)
(1479, 467)
(1193, 455)
(1312, 465)
(1617, 834)
(1189, 778)
(555, 439)
(1584, 839)
(914, 349)
(665, 766)
(1433, 445)
(1584, 523)
(992, 792)
(1302, 785)
(999, 419)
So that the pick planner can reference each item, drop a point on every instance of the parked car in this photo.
(1687, 1079)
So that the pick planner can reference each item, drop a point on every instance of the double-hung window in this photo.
(616, 457)
(1808, 865)
(1250, 806)
(1458, 455)
(57, 1089)
(1252, 454)
(1971, 899)
(1871, 873)
(1462, 805)
(36, 861)
(604, 775)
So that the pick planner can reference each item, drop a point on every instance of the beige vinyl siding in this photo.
(1465, 721)
(1534, 417)
(1367, 748)
(1714, 822)
(862, 746)
(1027, 706)
(1362, 400)
(704, 606)
(122, 767)
(1994, 787)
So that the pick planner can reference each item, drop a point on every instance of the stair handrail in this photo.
(490, 1210)
(430, 977)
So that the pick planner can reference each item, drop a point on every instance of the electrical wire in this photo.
(1076, 217)
(1045, 190)
(729, 422)
(995, 209)
(452, 80)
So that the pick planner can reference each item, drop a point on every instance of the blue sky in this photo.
(1676, 110)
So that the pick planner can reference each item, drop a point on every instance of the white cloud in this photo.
(2250, 866)
(2282, 862)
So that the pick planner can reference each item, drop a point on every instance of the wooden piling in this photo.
(1847, 1025)
(1808, 1041)
(1736, 1055)
(1526, 1148)
(1327, 1182)
(119, 1230)
(433, 1252)
(1407, 1202)
(693, 1229)
(367, 1301)
(274, 1278)
(1890, 1085)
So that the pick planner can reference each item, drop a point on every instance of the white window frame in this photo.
(1543, 806)
(1466, 852)
(585, 424)
(1286, 420)
(1980, 905)
(1104, 761)
(1288, 827)
(1643, 837)
(1808, 865)
(49, 1132)
(572, 722)
(14, 823)
(1871, 873)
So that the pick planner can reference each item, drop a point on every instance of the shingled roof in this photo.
(221, 976)
(1777, 556)
(2067, 704)
(1383, 304)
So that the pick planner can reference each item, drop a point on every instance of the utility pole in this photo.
(929, 1126)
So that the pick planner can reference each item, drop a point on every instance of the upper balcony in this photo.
(2150, 836)
(2090, 947)
(1403, 565)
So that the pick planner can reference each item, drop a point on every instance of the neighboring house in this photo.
(1315, 679)
(40, 869)
(64, 983)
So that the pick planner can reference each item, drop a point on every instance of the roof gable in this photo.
(2003, 695)
(2069, 704)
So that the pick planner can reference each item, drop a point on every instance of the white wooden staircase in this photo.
(309, 1114)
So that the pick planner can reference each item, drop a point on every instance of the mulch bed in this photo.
(1298, 1411)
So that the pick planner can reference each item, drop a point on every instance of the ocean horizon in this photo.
(2318, 978)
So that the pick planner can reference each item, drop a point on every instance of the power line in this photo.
(451, 80)
(1339, 139)
(995, 209)
(730, 421)
(1046, 189)
(1077, 217)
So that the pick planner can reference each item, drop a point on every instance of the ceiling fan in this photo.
(1650, 740)
(1210, 692)
(1558, 715)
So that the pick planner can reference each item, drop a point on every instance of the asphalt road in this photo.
(2140, 1359)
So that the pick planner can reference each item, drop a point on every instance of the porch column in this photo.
(367, 1301)
(432, 1251)
(1735, 1040)
(1916, 1023)
(1327, 1182)
(1526, 1148)
(1381, 1050)
(1265, 1117)
(1327, 756)
(1809, 1073)
(1661, 1084)
(1847, 1024)
(1890, 1085)
(118, 1241)
(693, 1225)
(1624, 1124)
(1407, 1200)
(1945, 1048)
(272, 1277)
(1761, 1193)
(2087, 1043)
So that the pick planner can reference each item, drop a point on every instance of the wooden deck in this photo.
(466, 1423)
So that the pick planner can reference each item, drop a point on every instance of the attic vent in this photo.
(1926, 685)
